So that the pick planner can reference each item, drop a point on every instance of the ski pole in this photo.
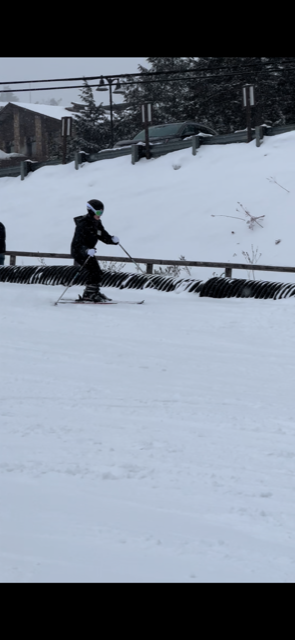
(60, 297)
(129, 256)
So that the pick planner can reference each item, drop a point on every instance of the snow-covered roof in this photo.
(7, 156)
(44, 109)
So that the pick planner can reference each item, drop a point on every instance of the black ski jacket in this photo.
(2, 238)
(88, 231)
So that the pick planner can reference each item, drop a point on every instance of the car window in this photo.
(140, 136)
(189, 130)
(159, 131)
(203, 129)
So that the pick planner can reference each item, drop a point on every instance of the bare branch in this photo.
(224, 216)
(271, 179)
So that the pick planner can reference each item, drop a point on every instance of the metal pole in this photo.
(147, 152)
(195, 145)
(111, 110)
(134, 153)
(129, 256)
(257, 135)
(248, 115)
(64, 149)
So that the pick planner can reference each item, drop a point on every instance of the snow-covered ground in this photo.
(154, 442)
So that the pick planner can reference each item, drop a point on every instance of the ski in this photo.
(105, 302)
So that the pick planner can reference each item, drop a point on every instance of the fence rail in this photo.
(149, 262)
(156, 150)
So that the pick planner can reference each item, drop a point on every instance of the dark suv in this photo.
(161, 133)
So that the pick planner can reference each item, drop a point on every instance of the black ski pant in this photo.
(94, 271)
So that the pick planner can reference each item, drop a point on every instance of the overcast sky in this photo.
(14, 69)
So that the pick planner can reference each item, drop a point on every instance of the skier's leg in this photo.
(92, 290)
(99, 292)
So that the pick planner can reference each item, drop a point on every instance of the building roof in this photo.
(43, 109)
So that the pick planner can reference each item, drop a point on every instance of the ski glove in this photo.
(91, 252)
(115, 240)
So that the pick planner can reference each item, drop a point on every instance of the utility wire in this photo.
(138, 83)
(252, 65)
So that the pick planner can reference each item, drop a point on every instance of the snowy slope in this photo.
(155, 442)
(160, 212)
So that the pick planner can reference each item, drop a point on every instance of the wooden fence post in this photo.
(149, 267)
(12, 260)
(228, 272)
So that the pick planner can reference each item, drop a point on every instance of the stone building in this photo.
(29, 129)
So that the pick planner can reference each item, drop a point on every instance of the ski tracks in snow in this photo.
(149, 447)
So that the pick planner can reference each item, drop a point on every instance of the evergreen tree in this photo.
(217, 92)
(55, 148)
(8, 97)
(213, 94)
(167, 93)
(123, 124)
(221, 86)
(52, 102)
(220, 97)
(91, 124)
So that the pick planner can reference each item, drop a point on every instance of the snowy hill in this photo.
(150, 443)
(162, 212)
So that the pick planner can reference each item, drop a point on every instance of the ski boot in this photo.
(92, 293)
(104, 297)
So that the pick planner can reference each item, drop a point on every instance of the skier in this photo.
(89, 230)
(2, 244)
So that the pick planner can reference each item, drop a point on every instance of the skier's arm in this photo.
(105, 237)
